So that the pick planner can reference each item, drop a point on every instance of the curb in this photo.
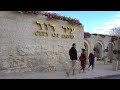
(103, 77)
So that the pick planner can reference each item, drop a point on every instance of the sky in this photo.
(100, 22)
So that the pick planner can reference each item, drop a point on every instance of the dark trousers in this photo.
(83, 68)
(91, 63)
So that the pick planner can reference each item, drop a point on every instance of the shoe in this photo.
(88, 69)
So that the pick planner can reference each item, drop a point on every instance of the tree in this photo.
(115, 31)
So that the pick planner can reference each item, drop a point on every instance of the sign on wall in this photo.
(67, 30)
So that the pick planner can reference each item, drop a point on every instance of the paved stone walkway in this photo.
(99, 71)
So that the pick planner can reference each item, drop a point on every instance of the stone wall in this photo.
(22, 50)
(104, 42)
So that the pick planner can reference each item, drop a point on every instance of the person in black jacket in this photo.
(73, 52)
(91, 60)
(73, 57)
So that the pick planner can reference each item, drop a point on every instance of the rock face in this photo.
(23, 46)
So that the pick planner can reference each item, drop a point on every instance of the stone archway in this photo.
(110, 52)
(98, 50)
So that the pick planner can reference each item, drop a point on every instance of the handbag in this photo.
(80, 58)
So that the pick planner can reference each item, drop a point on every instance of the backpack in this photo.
(80, 58)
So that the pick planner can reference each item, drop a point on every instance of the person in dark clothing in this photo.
(73, 58)
(73, 52)
(83, 61)
(91, 60)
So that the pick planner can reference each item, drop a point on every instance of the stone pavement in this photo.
(98, 72)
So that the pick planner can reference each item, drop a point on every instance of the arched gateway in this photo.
(110, 52)
(99, 48)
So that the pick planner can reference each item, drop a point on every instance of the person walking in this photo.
(83, 60)
(73, 58)
(91, 60)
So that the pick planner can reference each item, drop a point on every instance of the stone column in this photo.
(116, 62)
(119, 54)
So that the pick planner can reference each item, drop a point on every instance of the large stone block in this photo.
(5, 65)
(26, 50)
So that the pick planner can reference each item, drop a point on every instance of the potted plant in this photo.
(114, 38)
(103, 36)
(94, 34)
(118, 51)
(106, 50)
(115, 51)
(87, 35)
